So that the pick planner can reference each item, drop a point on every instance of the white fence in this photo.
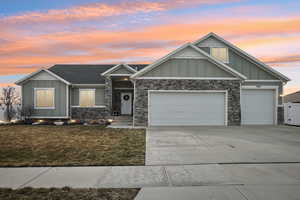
(1, 115)
(292, 113)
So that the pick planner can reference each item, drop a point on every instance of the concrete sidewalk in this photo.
(152, 176)
(247, 192)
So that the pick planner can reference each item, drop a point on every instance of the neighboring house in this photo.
(292, 98)
(207, 82)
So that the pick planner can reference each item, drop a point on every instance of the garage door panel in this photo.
(258, 106)
(186, 108)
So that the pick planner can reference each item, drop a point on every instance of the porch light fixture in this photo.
(125, 79)
(40, 121)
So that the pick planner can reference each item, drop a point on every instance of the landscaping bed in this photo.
(78, 145)
(67, 194)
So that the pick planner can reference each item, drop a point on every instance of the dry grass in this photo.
(70, 145)
(67, 194)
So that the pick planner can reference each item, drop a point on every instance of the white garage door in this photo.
(257, 106)
(186, 108)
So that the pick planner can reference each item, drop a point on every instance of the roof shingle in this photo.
(85, 73)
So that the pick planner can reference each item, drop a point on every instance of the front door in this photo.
(126, 103)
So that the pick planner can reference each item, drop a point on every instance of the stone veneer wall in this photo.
(143, 85)
(280, 115)
(108, 94)
(88, 113)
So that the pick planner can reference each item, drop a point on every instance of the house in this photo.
(207, 82)
(292, 98)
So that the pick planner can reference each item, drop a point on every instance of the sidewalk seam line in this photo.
(35, 177)
(167, 175)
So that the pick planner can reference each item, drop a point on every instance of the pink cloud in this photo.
(100, 10)
(150, 43)
(282, 59)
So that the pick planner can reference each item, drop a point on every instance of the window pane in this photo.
(44, 97)
(220, 53)
(87, 98)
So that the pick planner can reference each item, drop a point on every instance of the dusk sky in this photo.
(40, 33)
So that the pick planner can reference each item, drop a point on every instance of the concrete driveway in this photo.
(237, 144)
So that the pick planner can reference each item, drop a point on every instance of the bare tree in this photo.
(8, 99)
(26, 112)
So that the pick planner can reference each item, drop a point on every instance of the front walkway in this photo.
(121, 122)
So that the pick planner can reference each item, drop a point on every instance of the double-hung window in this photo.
(86, 97)
(44, 98)
(220, 53)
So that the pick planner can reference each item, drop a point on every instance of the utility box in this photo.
(292, 113)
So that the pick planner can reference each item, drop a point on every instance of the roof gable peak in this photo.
(201, 52)
(118, 66)
(244, 54)
(19, 82)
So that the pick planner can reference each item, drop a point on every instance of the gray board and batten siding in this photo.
(238, 62)
(60, 101)
(187, 68)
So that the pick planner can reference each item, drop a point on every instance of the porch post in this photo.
(108, 94)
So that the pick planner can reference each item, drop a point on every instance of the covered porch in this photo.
(122, 96)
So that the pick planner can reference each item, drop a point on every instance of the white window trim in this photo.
(93, 89)
(227, 61)
(192, 91)
(101, 106)
(264, 88)
(34, 96)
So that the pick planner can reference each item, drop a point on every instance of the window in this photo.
(87, 97)
(44, 98)
(220, 53)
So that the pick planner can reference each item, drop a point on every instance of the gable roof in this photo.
(86, 73)
(115, 68)
(40, 70)
(293, 97)
(201, 52)
(245, 54)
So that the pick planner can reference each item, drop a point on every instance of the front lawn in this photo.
(27, 145)
(67, 194)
